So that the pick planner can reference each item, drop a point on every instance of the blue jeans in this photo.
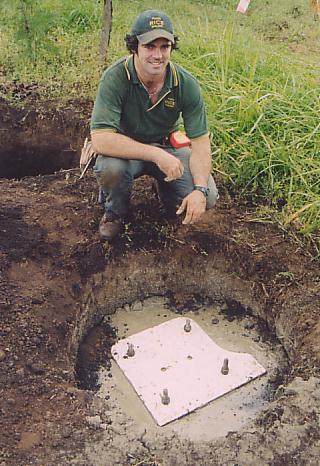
(115, 177)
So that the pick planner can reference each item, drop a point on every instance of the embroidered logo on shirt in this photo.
(156, 22)
(170, 102)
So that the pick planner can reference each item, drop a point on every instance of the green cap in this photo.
(151, 25)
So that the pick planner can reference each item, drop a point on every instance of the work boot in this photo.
(109, 229)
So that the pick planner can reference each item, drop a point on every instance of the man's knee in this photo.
(109, 170)
(213, 195)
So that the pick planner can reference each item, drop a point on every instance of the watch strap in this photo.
(202, 189)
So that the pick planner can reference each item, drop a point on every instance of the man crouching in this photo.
(135, 123)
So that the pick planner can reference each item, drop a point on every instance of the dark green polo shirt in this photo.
(123, 105)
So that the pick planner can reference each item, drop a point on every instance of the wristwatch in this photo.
(204, 190)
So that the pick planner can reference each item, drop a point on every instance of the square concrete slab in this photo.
(176, 368)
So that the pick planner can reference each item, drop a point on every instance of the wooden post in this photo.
(105, 31)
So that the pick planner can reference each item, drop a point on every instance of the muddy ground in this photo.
(58, 281)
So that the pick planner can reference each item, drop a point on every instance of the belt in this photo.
(165, 141)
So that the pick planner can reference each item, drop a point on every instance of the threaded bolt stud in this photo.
(187, 326)
(225, 367)
(130, 350)
(165, 399)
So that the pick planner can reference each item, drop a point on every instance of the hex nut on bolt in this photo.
(225, 367)
(187, 326)
(130, 350)
(165, 399)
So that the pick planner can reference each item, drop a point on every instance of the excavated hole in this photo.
(127, 432)
(228, 323)
(37, 143)
(32, 160)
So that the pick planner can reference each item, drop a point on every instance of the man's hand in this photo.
(170, 166)
(194, 204)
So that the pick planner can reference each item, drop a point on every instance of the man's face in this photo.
(152, 59)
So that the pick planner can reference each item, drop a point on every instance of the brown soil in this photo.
(58, 280)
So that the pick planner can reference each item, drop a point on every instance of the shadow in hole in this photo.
(22, 160)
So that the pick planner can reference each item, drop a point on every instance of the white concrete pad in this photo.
(186, 364)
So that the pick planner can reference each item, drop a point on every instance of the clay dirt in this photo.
(58, 282)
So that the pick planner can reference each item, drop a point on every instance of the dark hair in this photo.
(132, 43)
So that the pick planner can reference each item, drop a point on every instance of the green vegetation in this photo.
(259, 73)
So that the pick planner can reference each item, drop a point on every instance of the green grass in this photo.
(259, 74)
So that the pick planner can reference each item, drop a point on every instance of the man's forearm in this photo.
(200, 160)
(118, 145)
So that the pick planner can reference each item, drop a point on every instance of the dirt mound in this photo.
(58, 280)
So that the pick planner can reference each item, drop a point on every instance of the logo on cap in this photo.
(156, 22)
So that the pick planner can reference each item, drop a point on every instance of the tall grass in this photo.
(263, 100)
(51, 43)
(263, 109)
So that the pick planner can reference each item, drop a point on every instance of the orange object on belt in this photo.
(179, 139)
